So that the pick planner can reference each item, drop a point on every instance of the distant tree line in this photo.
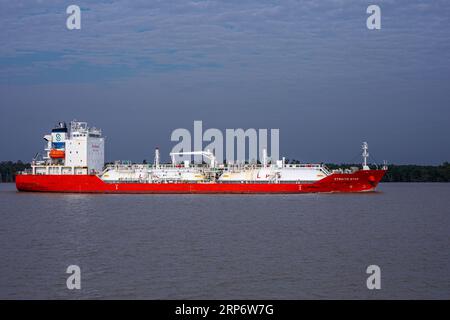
(414, 173)
(8, 170)
(396, 173)
(410, 173)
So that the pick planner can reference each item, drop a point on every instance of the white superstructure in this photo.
(77, 149)
(85, 148)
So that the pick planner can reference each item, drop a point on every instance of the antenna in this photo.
(365, 155)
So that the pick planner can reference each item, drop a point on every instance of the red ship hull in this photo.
(360, 181)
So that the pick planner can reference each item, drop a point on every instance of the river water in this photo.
(306, 246)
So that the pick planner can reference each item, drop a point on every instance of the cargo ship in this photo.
(74, 162)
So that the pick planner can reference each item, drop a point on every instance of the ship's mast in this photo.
(157, 157)
(365, 155)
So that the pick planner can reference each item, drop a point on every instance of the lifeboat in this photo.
(57, 154)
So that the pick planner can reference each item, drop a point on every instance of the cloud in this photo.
(267, 38)
(295, 65)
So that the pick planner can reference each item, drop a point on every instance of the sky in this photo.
(140, 69)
